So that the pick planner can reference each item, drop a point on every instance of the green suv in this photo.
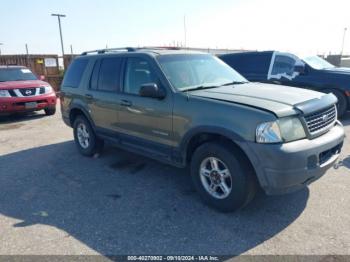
(191, 109)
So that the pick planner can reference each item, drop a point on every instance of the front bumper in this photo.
(283, 168)
(9, 105)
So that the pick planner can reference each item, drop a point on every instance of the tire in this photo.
(50, 111)
(242, 181)
(342, 105)
(85, 138)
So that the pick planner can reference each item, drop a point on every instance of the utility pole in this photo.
(27, 57)
(342, 46)
(59, 25)
(185, 31)
(71, 49)
(0, 47)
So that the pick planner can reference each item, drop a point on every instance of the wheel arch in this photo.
(79, 110)
(196, 137)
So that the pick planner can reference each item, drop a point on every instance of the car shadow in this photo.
(120, 203)
(21, 117)
(345, 162)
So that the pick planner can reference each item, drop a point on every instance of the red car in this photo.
(22, 91)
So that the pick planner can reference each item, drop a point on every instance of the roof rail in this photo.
(106, 50)
(129, 49)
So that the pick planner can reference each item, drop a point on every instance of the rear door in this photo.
(103, 93)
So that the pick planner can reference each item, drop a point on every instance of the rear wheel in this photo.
(85, 138)
(50, 111)
(222, 177)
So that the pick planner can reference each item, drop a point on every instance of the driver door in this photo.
(145, 123)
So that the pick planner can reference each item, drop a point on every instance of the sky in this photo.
(301, 27)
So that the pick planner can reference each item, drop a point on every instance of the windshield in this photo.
(317, 62)
(16, 74)
(188, 71)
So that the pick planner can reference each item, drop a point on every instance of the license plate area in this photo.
(326, 155)
(31, 105)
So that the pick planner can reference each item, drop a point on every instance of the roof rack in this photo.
(106, 50)
(128, 49)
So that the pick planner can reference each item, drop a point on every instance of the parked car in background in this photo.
(345, 62)
(287, 69)
(22, 91)
(191, 109)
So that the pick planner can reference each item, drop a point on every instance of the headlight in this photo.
(48, 89)
(283, 130)
(268, 132)
(4, 93)
(291, 129)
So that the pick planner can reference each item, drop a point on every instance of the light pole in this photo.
(59, 25)
(342, 46)
(185, 31)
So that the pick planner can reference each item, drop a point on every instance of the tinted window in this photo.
(283, 64)
(75, 73)
(249, 63)
(108, 79)
(138, 72)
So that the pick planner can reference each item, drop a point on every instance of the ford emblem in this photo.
(325, 118)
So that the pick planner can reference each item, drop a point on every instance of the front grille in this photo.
(321, 121)
(27, 91)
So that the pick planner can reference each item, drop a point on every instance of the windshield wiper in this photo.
(200, 87)
(235, 83)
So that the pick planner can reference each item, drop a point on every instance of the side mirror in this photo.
(152, 90)
(300, 68)
(42, 77)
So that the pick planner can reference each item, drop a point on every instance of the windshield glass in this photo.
(317, 62)
(16, 74)
(187, 71)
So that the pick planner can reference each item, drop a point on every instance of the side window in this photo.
(109, 74)
(75, 73)
(138, 72)
(283, 65)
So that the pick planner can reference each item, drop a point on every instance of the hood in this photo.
(280, 100)
(22, 84)
(338, 70)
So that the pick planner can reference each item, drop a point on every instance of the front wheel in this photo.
(222, 178)
(85, 138)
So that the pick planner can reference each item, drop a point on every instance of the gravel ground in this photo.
(55, 201)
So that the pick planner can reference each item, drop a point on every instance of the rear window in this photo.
(75, 73)
(249, 63)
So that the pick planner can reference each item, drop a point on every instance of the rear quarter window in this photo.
(74, 73)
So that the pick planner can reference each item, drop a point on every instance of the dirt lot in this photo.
(54, 201)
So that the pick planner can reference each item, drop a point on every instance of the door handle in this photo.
(125, 103)
(88, 96)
